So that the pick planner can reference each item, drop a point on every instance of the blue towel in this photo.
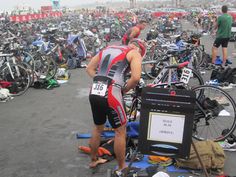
(173, 169)
(141, 164)
(107, 134)
(83, 135)
(132, 131)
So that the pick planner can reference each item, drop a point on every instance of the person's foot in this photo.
(228, 62)
(218, 61)
(95, 163)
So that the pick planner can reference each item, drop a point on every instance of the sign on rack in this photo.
(166, 122)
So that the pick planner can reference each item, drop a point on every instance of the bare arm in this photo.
(216, 24)
(136, 68)
(134, 32)
(92, 66)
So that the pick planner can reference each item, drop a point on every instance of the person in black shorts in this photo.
(223, 26)
(108, 69)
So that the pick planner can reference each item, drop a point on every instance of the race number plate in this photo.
(99, 89)
(186, 75)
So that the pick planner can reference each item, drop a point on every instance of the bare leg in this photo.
(214, 54)
(94, 143)
(120, 146)
(224, 51)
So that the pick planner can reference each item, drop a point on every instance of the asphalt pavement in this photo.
(37, 131)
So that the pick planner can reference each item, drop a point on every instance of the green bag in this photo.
(211, 153)
(50, 84)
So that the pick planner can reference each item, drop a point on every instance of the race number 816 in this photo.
(186, 75)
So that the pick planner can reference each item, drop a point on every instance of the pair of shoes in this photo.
(227, 146)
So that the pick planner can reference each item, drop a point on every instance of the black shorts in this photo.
(221, 42)
(109, 107)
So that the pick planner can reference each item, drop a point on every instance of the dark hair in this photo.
(224, 9)
(142, 21)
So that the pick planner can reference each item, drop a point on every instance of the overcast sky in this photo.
(10, 4)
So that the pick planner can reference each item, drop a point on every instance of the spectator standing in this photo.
(223, 26)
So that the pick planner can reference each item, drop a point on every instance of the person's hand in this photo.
(213, 32)
(124, 90)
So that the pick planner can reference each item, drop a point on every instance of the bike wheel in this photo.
(30, 70)
(18, 76)
(52, 68)
(152, 68)
(197, 58)
(215, 112)
(195, 80)
(132, 106)
(45, 67)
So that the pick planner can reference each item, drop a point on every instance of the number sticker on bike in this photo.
(99, 89)
(186, 75)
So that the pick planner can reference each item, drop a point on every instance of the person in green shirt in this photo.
(223, 26)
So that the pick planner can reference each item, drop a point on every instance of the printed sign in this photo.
(166, 127)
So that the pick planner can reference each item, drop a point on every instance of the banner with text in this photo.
(29, 17)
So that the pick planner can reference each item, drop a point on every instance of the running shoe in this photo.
(218, 61)
(229, 62)
(227, 146)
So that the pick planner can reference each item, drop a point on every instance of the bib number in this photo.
(99, 89)
(186, 75)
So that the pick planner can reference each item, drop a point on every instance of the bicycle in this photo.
(215, 109)
(15, 74)
(160, 73)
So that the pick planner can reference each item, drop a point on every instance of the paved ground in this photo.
(37, 132)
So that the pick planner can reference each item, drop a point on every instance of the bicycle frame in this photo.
(164, 71)
(6, 62)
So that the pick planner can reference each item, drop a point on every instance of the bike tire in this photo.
(152, 68)
(203, 128)
(21, 77)
(198, 80)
